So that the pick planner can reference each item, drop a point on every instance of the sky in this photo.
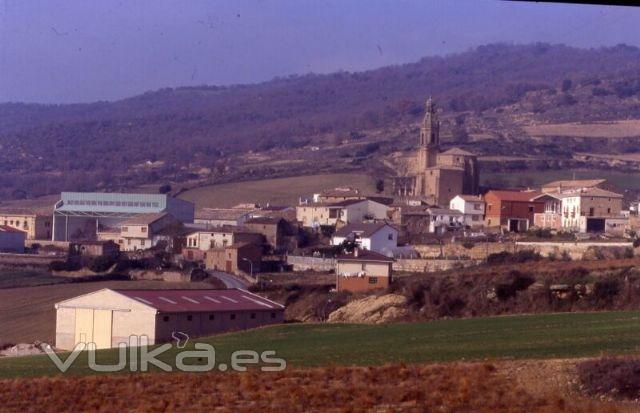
(65, 51)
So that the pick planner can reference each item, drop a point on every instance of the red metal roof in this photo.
(177, 301)
(7, 228)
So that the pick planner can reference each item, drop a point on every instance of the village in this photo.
(434, 219)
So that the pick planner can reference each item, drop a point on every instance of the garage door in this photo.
(102, 328)
(93, 326)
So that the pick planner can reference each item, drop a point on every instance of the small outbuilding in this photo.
(109, 317)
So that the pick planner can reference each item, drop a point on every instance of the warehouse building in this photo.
(81, 215)
(109, 317)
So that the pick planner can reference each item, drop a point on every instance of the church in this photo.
(436, 176)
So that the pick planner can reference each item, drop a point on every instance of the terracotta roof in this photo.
(7, 228)
(364, 255)
(178, 301)
(222, 214)
(18, 211)
(339, 204)
(505, 195)
(597, 192)
(457, 151)
(364, 229)
(443, 211)
(470, 197)
(581, 183)
(264, 220)
(145, 219)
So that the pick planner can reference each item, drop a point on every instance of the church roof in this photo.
(457, 151)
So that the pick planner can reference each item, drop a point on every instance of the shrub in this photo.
(636, 243)
(498, 257)
(613, 377)
(606, 290)
(628, 253)
(101, 264)
(468, 244)
(69, 265)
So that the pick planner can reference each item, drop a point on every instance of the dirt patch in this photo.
(373, 309)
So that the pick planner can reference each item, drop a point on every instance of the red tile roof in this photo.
(178, 301)
(523, 196)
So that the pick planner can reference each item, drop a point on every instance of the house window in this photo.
(189, 318)
(125, 229)
(165, 318)
(232, 316)
(143, 229)
(273, 315)
(212, 317)
(373, 280)
(530, 208)
(253, 316)
(390, 237)
(608, 210)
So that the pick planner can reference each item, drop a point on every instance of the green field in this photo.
(565, 335)
(281, 191)
(537, 178)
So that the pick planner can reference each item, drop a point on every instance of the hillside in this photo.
(213, 134)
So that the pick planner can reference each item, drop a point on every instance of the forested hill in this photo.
(46, 148)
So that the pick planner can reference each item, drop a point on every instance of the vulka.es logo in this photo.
(128, 357)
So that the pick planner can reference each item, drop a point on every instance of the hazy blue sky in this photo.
(85, 50)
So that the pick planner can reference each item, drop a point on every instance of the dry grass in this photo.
(615, 129)
(27, 314)
(459, 387)
(281, 191)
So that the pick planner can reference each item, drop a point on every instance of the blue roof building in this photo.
(80, 215)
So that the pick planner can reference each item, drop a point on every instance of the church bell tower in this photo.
(429, 137)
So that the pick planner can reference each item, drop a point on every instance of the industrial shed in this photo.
(108, 317)
(82, 215)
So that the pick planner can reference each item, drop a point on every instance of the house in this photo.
(378, 237)
(81, 215)
(444, 219)
(36, 224)
(12, 239)
(513, 210)
(109, 317)
(217, 217)
(472, 208)
(94, 248)
(239, 258)
(273, 230)
(582, 210)
(145, 231)
(346, 193)
(198, 242)
(343, 212)
(363, 270)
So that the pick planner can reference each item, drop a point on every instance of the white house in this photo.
(348, 211)
(442, 219)
(583, 210)
(472, 208)
(378, 237)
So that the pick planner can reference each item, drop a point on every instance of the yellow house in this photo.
(36, 225)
